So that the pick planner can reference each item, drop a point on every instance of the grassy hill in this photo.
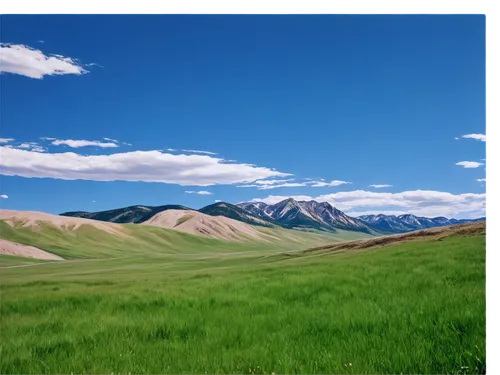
(409, 307)
(141, 240)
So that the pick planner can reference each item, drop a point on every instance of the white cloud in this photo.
(477, 137)
(200, 152)
(32, 146)
(146, 166)
(331, 183)
(6, 140)
(419, 202)
(4, 196)
(38, 149)
(111, 140)
(469, 164)
(456, 138)
(380, 186)
(202, 192)
(33, 63)
(273, 184)
(83, 143)
(286, 184)
(48, 138)
(481, 179)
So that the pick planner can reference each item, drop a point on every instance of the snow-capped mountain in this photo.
(311, 214)
(256, 209)
(234, 212)
(407, 223)
(385, 223)
(304, 214)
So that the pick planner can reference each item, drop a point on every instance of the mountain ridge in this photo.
(233, 212)
(388, 224)
(288, 213)
(131, 214)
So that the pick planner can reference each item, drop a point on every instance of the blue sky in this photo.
(332, 104)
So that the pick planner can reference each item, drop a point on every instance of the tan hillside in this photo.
(34, 219)
(17, 249)
(205, 225)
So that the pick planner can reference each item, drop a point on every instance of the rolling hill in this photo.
(171, 231)
(198, 223)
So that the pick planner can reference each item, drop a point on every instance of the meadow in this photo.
(416, 307)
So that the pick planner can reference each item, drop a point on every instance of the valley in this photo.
(250, 309)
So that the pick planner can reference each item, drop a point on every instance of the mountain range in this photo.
(388, 224)
(289, 213)
(131, 214)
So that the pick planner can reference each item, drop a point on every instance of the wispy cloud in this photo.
(481, 179)
(273, 184)
(202, 192)
(38, 149)
(286, 184)
(198, 152)
(419, 202)
(331, 183)
(477, 137)
(469, 164)
(32, 146)
(6, 140)
(33, 63)
(380, 186)
(147, 166)
(111, 140)
(82, 143)
(4, 196)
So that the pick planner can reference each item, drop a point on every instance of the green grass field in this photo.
(417, 307)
